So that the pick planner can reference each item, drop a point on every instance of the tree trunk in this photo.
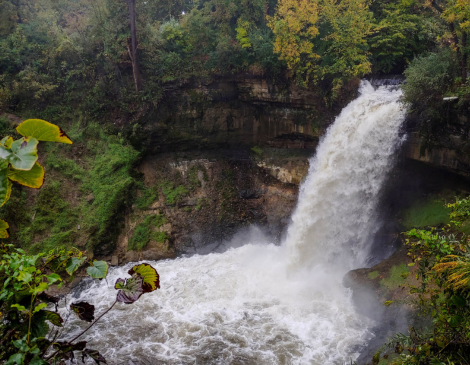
(464, 57)
(133, 47)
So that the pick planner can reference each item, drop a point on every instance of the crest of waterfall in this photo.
(335, 215)
(247, 305)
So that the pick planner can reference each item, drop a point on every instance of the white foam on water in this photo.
(262, 303)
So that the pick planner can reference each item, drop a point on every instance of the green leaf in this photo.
(458, 300)
(16, 359)
(455, 321)
(39, 327)
(33, 178)
(5, 187)
(151, 279)
(53, 278)
(24, 153)
(84, 311)
(98, 270)
(54, 318)
(6, 141)
(42, 131)
(73, 264)
(19, 307)
(3, 229)
(36, 360)
(40, 288)
(5, 153)
(39, 307)
(24, 276)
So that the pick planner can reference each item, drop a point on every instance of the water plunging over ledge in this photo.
(261, 303)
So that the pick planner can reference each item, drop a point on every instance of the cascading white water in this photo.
(261, 303)
(335, 212)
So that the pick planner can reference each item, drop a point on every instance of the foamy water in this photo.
(261, 303)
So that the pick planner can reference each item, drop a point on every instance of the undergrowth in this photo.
(143, 232)
(426, 213)
(84, 202)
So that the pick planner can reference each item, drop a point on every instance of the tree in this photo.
(323, 39)
(132, 48)
(295, 28)
(351, 24)
(456, 13)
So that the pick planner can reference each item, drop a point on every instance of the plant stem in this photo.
(86, 329)
(96, 320)
(30, 316)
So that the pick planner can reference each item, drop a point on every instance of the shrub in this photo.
(429, 77)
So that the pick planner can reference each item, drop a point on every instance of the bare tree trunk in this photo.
(464, 57)
(133, 47)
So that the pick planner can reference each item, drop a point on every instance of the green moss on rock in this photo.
(398, 275)
(431, 212)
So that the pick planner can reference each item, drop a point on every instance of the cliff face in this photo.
(238, 147)
(239, 111)
(262, 135)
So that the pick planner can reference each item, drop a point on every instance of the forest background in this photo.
(58, 57)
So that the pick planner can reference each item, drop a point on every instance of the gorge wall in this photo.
(254, 137)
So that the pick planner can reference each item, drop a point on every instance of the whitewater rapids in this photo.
(262, 303)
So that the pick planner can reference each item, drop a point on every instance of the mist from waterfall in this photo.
(261, 303)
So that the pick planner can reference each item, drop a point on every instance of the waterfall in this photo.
(335, 215)
(262, 303)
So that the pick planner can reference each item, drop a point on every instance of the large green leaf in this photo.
(129, 290)
(73, 264)
(98, 270)
(150, 277)
(24, 153)
(5, 152)
(42, 131)
(3, 229)
(39, 327)
(5, 187)
(33, 178)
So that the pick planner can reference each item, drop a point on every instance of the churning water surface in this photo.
(262, 303)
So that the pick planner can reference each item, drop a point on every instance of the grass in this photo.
(143, 232)
(257, 150)
(193, 175)
(68, 167)
(431, 212)
(53, 219)
(398, 275)
(148, 197)
(373, 275)
(110, 181)
(106, 171)
(173, 193)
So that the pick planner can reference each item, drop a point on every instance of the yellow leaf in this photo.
(3, 229)
(42, 131)
(33, 178)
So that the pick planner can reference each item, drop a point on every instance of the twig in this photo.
(86, 329)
